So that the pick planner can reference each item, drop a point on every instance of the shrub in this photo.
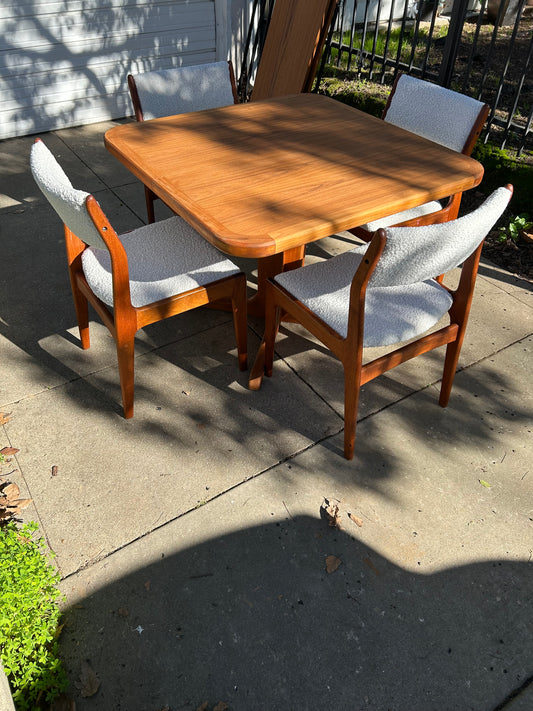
(502, 167)
(29, 619)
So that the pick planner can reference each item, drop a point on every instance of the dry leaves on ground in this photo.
(10, 503)
(89, 682)
(8, 451)
(358, 521)
(330, 511)
(332, 563)
(333, 511)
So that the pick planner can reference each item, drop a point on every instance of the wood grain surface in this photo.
(260, 178)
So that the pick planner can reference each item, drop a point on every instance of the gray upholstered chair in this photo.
(139, 278)
(440, 115)
(385, 293)
(180, 90)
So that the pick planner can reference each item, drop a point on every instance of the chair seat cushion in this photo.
(399, 217)
(392, 314)
(165, 259)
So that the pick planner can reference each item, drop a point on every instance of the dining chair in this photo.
(137, 278)
(180, 90)
(446, 117)
(385, 294)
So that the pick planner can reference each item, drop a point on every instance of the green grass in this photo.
(381, 44)
(503, 167)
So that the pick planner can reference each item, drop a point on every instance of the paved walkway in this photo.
(190, 540)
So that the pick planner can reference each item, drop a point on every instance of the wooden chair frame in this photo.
(280, 303)
(125, 319)
(450, 211)
(150, 196)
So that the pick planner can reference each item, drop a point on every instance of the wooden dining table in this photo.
(265, 178)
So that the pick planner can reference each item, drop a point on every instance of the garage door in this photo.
(64, 63)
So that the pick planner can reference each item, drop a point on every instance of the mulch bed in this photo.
(514, 258)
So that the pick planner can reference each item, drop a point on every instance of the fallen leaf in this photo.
(89, 682)
(358, 521)
(485, 483)
(123, 611)
(203, 707)
(332, 563)
(221, 706)
(19, 504)
(331, 513)
(54, 470)
(148, 585)
(4, 418)
(58, 631)
(6, 451)
(11, 491)
(371, 565)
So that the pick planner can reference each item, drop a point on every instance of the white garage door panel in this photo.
(73, 114)
(86, 80)
(27, 8)
(150, 47)
(62, 68)
(106, 27)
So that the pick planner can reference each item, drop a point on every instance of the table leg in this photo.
(268, 267)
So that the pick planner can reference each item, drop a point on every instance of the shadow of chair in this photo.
(139, 278)
(383, 294)
(440, 115)
(294, 41)
(180, 90)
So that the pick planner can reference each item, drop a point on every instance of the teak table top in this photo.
(261, 178)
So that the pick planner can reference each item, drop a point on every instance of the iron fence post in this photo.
(453, 39)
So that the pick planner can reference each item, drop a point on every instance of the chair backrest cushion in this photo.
(184, 89)
(433, 112)
(414, 254)
(68, 202)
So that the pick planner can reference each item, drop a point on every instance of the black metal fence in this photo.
(482, 48)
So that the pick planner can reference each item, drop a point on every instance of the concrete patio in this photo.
(189, 539)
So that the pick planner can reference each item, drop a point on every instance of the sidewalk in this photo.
(189, 539)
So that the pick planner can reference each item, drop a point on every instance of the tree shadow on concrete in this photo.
(253, 619)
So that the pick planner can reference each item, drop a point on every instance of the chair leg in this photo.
(451, 360)
(82, 314)
(125, 355)
(240, 324)
(352, 386)
(149, 205)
